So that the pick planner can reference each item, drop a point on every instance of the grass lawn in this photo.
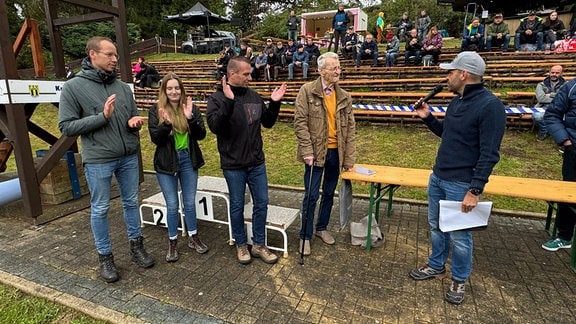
(403, 146)
(16, 307)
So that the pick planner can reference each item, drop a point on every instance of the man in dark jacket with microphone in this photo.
(471, 135)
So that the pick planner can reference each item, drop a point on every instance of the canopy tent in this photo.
(198, 15)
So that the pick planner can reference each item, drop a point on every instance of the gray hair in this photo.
(322, 59)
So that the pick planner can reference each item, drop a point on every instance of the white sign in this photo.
(32, 91)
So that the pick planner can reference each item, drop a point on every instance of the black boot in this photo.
(172, 255)
(108, 270)
(139, 254)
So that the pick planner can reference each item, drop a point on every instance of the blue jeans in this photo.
(538, 118)
(439, 189)
(257, 181)
(331, 172)
(362, 56)
(99, 178)
(291, 67)
(391, 59)
(493, 41)
(188, 177)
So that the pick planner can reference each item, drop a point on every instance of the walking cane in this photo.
(306, 216)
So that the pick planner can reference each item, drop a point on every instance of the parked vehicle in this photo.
(198, 43)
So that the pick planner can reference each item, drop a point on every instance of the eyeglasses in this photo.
(334, 68)
(109, 54)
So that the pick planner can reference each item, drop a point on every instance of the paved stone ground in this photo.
(513, 280)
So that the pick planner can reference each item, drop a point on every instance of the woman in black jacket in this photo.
(176, 126)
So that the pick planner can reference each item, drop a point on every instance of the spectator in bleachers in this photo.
(313, 51)
(340, 23)
(392, 46)
(432, 47)
(404, 26)
(69, 72)
(498, 34)
(413, 48)
(222, 65)
(136, 66)
(269, 45)
(553, 30)
(368, 50)
(380, 28)
(529, 35)
(279, 52)
(292, 25)
(572, 31)
(147, 76)
(289, 52)
(176, 125)
(545, 93)
(246, 51)
(229, 50)
(559, 119)
(350, 49)
(300, 60)
(422, 24)
(473, 38)
(273, 64)
(259, 65)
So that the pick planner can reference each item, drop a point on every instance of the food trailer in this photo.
(318, 24)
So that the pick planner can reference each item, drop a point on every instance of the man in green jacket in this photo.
(99, 108)
(498, 34)
(325, 130)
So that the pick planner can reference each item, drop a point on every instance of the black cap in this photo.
(498, 15)
(532, 13)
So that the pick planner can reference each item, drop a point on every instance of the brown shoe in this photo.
(262, 252)
(172, 255)
(326, 237)
(196, 244)
(306, 247)
(243, 255)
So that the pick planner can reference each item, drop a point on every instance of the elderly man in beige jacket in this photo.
(325, 129)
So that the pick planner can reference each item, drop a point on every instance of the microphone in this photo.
(429, 96)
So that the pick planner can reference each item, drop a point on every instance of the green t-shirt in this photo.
(181, 141)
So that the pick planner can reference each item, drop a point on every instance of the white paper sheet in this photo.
(452, 218)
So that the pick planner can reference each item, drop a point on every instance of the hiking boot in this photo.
(542, 136)
(455, 293)
(243, 255)
(306, 250)
(556, 244)
(139, 254)
(262, 252)
(326, 237)
(108, 270)
(196, 244)
(172, 255)
(426, 272)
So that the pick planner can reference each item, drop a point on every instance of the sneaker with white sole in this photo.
(455, 293)
(426, 272)
(556, 244)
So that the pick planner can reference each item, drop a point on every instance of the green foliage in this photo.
(74, 37)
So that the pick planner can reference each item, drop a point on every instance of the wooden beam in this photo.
(21, 38)
(95, 16)
(36, 47)
(54, 155)
(51, 10)
(95, 6)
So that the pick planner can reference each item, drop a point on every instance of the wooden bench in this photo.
(386, 180)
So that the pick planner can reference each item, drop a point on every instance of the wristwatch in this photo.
(475, 191)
